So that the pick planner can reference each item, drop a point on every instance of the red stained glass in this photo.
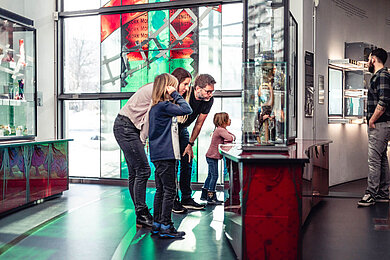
(113, 3)
(219, 9)
(130, 16)
(137, 30)
(134, 2)
(109, 23)
(181, 54)
(181, 32)
(136, 56)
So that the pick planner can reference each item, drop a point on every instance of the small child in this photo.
(220, 136)
(165, 150)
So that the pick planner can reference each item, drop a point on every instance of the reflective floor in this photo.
(338, 229)
(98, 222)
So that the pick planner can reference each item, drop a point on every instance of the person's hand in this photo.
(189, 151)
(371, 124)
(170, 89)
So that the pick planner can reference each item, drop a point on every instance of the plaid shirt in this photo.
(379, 94)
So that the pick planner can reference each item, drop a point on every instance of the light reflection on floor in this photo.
(99, 222)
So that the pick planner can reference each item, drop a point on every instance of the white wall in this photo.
(334, 27)
(41, 12)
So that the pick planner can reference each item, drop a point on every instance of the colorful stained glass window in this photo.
(156, 42)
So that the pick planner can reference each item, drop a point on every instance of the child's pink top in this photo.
(220, 136)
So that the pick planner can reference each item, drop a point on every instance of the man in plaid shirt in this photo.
(378, 118)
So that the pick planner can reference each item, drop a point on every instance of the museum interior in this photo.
(293, 77)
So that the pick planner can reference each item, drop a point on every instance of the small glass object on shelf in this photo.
(17, 78)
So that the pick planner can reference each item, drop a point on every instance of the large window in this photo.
(112, 55)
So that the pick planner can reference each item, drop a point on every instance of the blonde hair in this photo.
(159, 87)
(221, 119)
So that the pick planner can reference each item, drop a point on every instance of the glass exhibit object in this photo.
(269, 75)
(17, 78)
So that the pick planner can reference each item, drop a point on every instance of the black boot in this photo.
(144, 218)
(212, 198)
(204, 194)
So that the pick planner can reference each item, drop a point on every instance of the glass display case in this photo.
(264, 103)
(348, 88)
(269, 75)
(17, 78)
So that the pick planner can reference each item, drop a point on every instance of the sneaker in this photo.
(155, 228)
(367, 200)
(178, 208)
(169, 231)
(204, 194)
(144, 218)
(212, 198)
(382, 198)
(191, 204)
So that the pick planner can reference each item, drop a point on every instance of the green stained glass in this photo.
(183, 63)
(159, 66)
(153, 60)
(194, 173)
(158, 30)
(138, 78)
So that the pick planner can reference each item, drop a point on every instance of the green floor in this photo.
(98, 222)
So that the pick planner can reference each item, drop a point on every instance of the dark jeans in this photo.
(212, 177)
(128, 138)
(165, 191)
(185, 166)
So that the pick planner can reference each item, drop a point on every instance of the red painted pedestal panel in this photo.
(30, 171)
(263, 199)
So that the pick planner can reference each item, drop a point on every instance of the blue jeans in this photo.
(128, 138)
(212, 177)
(165, 191)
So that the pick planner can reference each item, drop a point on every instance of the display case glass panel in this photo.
(17, 80)
(266, 30)
(269, 75)
(355, 92)
(264, 103)
(293, 78)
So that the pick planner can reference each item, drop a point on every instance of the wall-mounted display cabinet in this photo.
(17, 77)
(348, 86)
(269, 75)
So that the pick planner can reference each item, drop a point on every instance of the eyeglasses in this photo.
(209, 92)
